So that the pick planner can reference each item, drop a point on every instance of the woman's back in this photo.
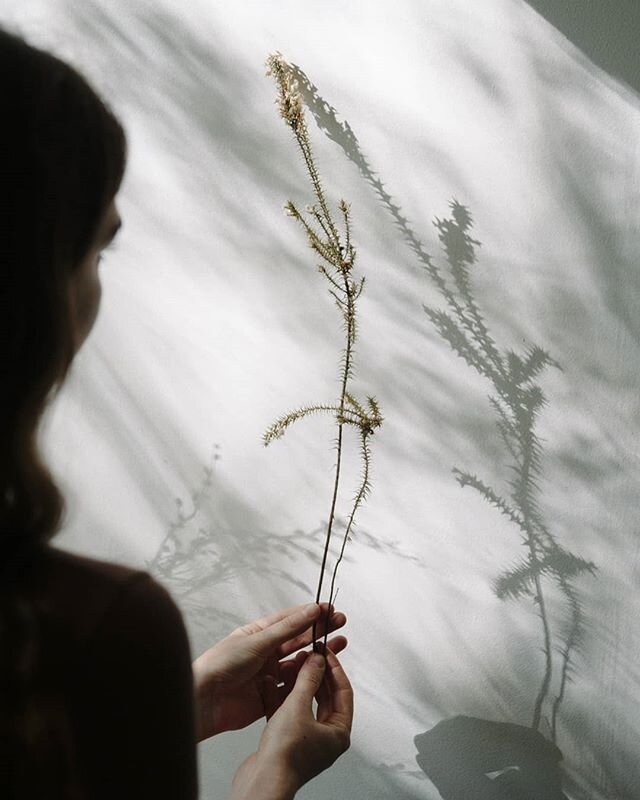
(114, 667)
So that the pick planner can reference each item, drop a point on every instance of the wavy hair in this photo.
(61, 163)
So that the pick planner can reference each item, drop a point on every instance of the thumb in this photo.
(309, 678)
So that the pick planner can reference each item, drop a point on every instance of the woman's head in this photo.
(61, 165)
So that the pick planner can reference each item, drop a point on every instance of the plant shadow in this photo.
(467, 757)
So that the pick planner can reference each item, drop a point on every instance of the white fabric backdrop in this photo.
(214, 322)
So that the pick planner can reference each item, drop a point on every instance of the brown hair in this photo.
(61, 163)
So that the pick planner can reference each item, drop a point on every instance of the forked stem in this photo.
(323, 237)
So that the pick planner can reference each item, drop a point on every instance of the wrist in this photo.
(252, 781)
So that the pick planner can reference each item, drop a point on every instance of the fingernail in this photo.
(317, 660)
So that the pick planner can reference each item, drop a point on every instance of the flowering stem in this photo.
(323, 237)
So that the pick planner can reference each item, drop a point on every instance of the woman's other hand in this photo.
(296, 745)
(231, 678)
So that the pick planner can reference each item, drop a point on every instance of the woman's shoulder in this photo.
(66, 565)
(73, 565)
(115, 644)
(70, 587)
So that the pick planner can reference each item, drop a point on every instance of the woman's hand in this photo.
(231, 678)
(296, 745)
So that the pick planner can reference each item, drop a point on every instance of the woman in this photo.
(98, 697)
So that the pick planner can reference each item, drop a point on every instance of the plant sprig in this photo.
(331, 242)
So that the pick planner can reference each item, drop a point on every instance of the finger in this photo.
(324, 700)
(337, 644)
(309, 680)
(327, 609)
(290, 667)
(339, 706)
(270, 639)
(323, 695)
(263, 623)
(289, 670)
(336, 621)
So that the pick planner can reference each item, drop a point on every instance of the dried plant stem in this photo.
(362, 493)
(327, 540)
(346, 369)
(338, 255)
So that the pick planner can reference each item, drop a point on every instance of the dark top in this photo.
(115, 643)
